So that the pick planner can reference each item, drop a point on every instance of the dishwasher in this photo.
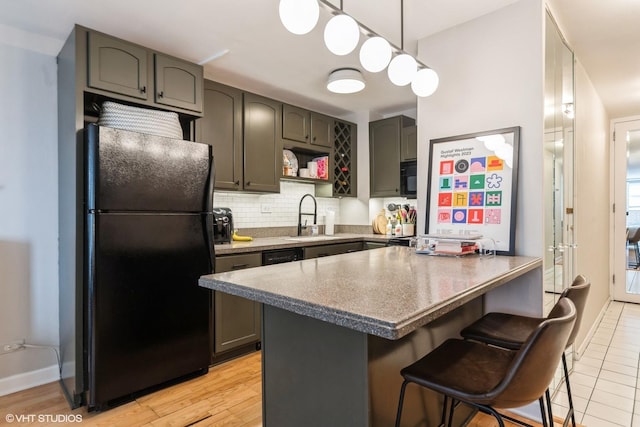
(278, 256)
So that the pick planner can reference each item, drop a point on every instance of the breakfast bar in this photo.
(337, 330)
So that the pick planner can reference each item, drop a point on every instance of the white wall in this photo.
(592, 212)
(28, 213)
(491, 77)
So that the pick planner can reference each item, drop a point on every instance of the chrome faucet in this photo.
(300, 213)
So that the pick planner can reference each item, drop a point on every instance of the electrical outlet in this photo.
(11, 347)
(265, 208)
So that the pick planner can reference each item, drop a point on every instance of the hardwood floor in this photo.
(229, 395)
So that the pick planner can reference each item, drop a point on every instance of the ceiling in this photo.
(264, 58)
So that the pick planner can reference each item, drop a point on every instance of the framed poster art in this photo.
(472, 186)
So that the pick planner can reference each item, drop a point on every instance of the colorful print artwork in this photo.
(471, 186)
(458, 178)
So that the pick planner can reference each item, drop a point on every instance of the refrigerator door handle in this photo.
(208, 224)
(210, 185)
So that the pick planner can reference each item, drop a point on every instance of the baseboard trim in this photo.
(578, 352)
(30, 379)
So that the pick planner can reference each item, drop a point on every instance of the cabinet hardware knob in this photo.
(143, 89)
(237, 182)
(248, 183)
(160, 94)
(306, 137)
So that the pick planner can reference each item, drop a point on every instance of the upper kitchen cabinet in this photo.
(307, 128)
(117, 66)
(385, 142)
(409, 143)
(178, 83)
(262, 144)
(221, 127)
(126, 71)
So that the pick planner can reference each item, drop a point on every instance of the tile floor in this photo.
(604, 382)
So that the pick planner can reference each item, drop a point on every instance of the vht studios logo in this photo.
(43, 418)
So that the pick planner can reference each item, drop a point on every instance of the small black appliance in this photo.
(408, 179)
(222, 225)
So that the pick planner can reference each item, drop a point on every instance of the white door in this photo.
(626, 183)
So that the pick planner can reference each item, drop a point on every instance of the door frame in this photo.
(618, 217)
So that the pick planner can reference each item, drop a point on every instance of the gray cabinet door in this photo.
(321, 130)
(262, 144)
(237, 321)
(117, 66)
(409, 143)
(178, 83)
(384, 155)
(296, 123)
(221, 127)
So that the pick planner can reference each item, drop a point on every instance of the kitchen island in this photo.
(337, 330)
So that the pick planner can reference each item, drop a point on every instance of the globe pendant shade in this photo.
(402, 69)
(425, 82)
(341, 34)
(299, 16)
(375, 54)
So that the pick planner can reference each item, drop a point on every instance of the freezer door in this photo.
(148, 318)
(130, 171)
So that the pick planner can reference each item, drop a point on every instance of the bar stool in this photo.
(511, 331)
(488, 377)
(633, 237)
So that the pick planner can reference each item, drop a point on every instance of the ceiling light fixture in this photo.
(299, 16)
(402, 69)
(375, 54)
(345, 80)
(341, 35)
(425, 82)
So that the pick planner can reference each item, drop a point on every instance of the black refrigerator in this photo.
(148, 238)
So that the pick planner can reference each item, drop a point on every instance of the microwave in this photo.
(408, 179)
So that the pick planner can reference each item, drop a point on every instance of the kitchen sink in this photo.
(310, 238)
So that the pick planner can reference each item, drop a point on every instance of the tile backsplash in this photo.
(275, 210)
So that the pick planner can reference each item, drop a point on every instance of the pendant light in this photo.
(341, 35)
(345, 80)
(402, 69)
(375, 54)
(299, 16)
(425, 82)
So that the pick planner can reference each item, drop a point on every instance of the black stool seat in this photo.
(491, 377)
(462, 369)
(501, 329)
(510, 331)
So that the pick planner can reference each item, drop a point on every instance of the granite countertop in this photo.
(269, 243)
(388, 292)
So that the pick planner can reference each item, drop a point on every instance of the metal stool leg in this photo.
(543, 412)
(549, 409)
(566, 380)
(401, 402)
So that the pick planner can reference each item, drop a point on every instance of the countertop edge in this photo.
(420, 319)
(364, 324)
(273, 243)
